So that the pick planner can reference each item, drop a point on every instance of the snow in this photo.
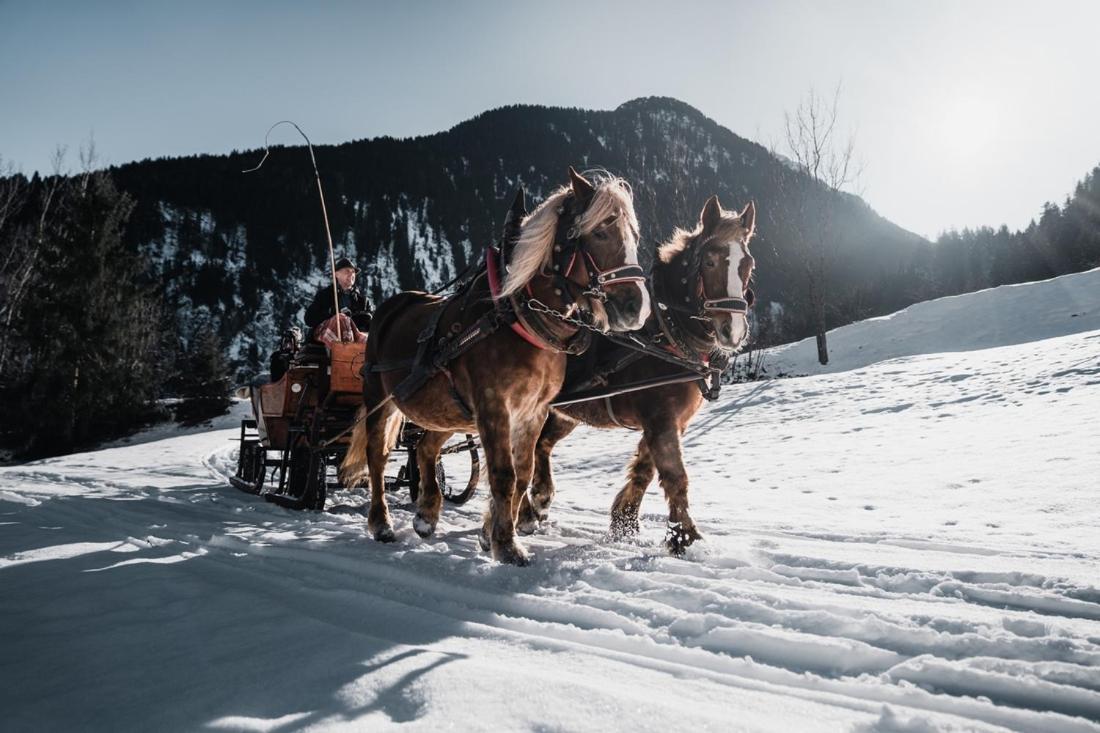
(433, 257)
(380, 274)
(1010, 314)
(905, 541)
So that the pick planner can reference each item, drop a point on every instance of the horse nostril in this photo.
(727, 330)
(632, 308)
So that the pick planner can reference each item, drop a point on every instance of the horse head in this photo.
(714, 263)
(584, 237)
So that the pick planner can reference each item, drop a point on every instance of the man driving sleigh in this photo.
(344, 316)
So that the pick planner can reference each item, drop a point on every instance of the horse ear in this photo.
(519, 203)
(748, 218)
(582, 189)
(711, 214)
(515, 215)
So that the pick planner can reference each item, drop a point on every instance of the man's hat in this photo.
(345, 262)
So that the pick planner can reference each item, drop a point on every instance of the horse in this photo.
(572, 268)
(701, 298)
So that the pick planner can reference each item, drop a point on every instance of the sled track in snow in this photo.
(847, 581)
(1014, 649)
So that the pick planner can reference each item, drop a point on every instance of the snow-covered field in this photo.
(909, 545)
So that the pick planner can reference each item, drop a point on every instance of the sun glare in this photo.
(964, 125)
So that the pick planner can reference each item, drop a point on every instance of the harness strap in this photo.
(457, 396)
(430, 361)
(424, 366)
(384, 366)
(492, 267)
(611, 414)
(727, 305)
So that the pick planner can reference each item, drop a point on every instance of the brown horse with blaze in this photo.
(575, 257)
(702, 296)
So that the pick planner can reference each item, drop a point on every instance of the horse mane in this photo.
(534, 250)
(677, 243)
(682, 238)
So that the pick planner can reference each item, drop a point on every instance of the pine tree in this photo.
(203, 379)
(92, 366)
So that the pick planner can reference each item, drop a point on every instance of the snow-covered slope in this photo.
(908, 546)
(1010, 314)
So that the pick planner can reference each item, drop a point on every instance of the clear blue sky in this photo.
(965, 113)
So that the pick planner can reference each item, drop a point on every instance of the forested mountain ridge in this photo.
(122, 286)
(245, 250)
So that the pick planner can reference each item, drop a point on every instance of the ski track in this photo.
(903, 547)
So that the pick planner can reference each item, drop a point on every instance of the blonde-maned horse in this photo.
(575, 255)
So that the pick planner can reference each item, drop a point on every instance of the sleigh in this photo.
(300, 428)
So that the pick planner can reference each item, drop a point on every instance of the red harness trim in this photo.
(704, 358)
(491, 267)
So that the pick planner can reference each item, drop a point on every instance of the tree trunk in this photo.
(817, 303)
(822, 349)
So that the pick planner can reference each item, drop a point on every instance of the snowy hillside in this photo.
(906, 546)
(1010, 314)
(245, 252)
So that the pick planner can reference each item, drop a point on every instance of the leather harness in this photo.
(537, 326)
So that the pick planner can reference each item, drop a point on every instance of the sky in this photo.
(964, 113)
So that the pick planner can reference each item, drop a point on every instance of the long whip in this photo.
(324, 211)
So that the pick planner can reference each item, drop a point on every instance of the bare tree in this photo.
(815, 148)
(20, 245)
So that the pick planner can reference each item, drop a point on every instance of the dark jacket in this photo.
(353, 301)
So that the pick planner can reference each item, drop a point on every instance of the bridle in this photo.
(697, 304)
(569, 249)
(726, 304)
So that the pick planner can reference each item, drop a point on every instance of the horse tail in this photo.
(353, 469)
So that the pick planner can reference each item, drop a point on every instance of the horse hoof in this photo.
(511, 553)
(529, 524)
(384, 534)
(423, 527)
(679, 538)
(624, 529)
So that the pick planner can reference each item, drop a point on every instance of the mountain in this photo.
(247, 250)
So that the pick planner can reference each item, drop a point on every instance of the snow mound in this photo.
(1002, 316)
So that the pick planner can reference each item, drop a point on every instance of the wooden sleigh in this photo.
(301, 425)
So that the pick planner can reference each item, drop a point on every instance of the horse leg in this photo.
(624, 510)
(382, 427)
(664, 447)
(430, 500)
(535, 502)
(498, 531)
(523, 456)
